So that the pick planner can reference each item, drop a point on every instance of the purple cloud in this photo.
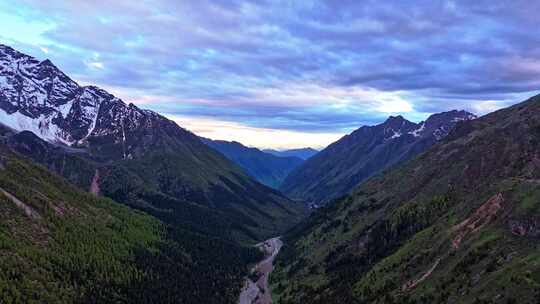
(309, 66)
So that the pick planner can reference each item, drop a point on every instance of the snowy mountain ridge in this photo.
(365, 152)
(437, 125)
(36, 96)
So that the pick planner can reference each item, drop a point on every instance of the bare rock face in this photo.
(481, 217)
(528, 227)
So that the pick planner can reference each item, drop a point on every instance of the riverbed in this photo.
(259, 292)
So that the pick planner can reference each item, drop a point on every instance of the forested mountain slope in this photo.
(59, 244)
(458, 224)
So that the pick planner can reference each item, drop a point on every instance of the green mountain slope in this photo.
(62, 245)
(132, 155)
(459, 224)
(228, 203)
(170, 167)
(233, 207)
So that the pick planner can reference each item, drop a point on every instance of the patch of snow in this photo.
(468, 117)
(91, 114)
(41, 126)
(418, 132)
(396, 135)
(4, 81)
(124, 140)
(92, 127)
(65, 108)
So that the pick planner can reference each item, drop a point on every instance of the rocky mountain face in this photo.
(266, 168)
(138, 157)
(365, 152)
(303, 153)
(458, 224)
(36, 96)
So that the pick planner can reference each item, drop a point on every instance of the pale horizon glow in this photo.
(260, 138)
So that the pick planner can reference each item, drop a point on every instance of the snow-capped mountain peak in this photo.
(36, 96)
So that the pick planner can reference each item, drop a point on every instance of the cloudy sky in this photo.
(288, 73)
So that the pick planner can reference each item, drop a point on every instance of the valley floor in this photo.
(258, 292)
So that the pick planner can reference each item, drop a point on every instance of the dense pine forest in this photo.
(61, 245)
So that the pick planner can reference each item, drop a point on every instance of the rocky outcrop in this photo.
(481, 217)
(527, 227)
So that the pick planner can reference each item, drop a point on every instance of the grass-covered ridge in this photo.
(459, 224)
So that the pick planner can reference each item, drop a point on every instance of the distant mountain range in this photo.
(267, 168)
(458, 224)
(134, 156)
(367, 151)
(303, 153)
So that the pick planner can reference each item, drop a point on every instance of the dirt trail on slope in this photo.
(259, 292)
(94, 187)
(412, 284)
(29, 211)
